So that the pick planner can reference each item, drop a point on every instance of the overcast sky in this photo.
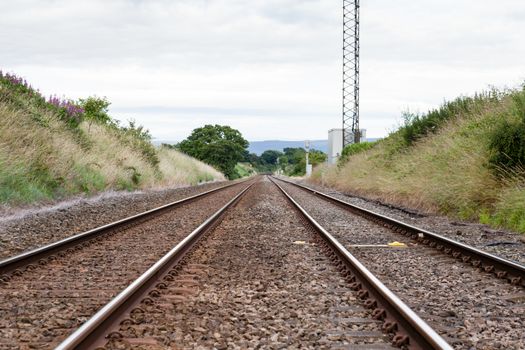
(270, 68)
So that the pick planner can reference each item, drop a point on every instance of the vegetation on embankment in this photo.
(52, 148)
(465, 159)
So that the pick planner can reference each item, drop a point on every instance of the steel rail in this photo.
(501, 267)
(411, 330)
(40, 254)
(92, 332)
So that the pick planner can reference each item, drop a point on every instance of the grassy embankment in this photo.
(244, 169)
(465, 159)
(53, 148)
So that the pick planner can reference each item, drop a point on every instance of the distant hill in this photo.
(259, 147)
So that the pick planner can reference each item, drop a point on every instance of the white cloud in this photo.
(271, 68)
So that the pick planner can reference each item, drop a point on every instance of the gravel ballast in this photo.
(41, 306)
(506, 244)
(257, 281)
(469, 308)
(30, 228)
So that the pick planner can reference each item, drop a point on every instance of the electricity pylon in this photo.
(351, 132)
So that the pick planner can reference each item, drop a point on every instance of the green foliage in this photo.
(45, 143)
(417, 126)
(169, 146)
(293, 160)
(507, 140)
(354, 148)
(88, 180)
(251, 158)
(509, 211)
(507, 143)
(243, 170)
(204, 177)
(217, 145)
(266, 163)
(446, 161)
(135, 175)
(140, 139)
(317, 157)
(96, 109)
(270, 157)
(22, 183)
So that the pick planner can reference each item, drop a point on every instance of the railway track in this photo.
(257, 273)
(47, 293)
(500, 267)
(259, 269)
(468, 301)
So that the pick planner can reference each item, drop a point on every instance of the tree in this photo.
(316, 157)
(252, 158)
(270, 156)
(294, 154)
(293, 162)
(217, 145)
(95, 109)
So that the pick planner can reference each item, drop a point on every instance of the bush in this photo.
(507, 144)
(140, 139)
(88, 180)
(507, 140)
(95, 109)
(354, 149)
(417, 126)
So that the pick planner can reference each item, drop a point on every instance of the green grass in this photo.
(88, 180)
(20, 184)
(244, 169)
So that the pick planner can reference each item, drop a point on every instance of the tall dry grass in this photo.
(179, 168)
(42, 158)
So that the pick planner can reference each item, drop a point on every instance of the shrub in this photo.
(354, 149)
(96, 109)
(19, 92)
(25, 183)
(140, 139)
(507, 140)
(416, 126)
(507, 143)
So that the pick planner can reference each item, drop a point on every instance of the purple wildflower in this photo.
(72, 111)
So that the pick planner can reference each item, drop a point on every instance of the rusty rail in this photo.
(408, 329)
(502, 268)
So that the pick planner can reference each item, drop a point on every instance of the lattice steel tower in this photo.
(351, 132)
